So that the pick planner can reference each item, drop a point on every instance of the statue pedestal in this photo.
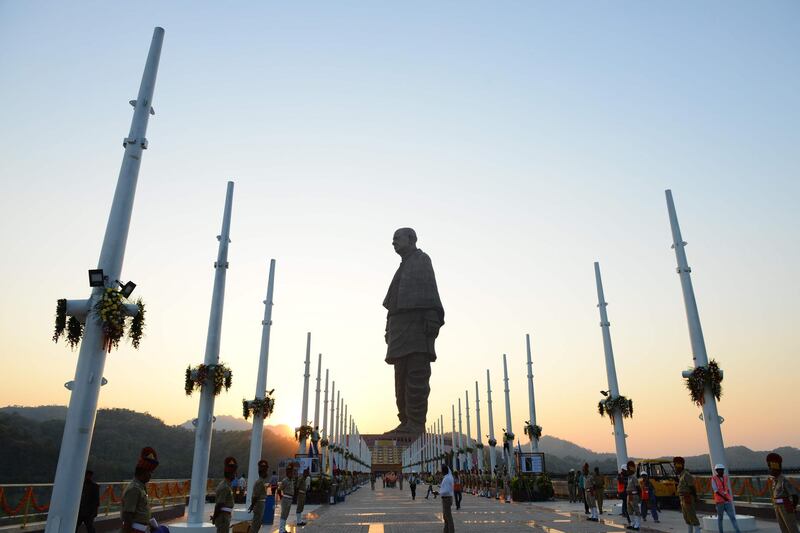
(183, 527)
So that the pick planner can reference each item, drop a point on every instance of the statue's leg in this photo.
(400, 388)
(418, 388)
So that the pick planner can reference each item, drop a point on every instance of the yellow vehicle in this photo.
(665, 480)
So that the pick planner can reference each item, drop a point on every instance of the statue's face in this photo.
(401, 241)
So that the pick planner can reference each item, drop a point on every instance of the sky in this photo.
(522, 140)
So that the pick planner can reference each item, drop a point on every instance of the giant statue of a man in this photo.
(415, 314)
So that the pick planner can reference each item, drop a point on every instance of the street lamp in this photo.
(97, 278)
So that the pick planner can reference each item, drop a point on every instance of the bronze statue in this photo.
(415, 314)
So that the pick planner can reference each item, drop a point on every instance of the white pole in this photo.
(205, 415)
(469, 434)
(325, 424)
(492, 458)
(332, 434)
(510, 458)
(478, 420)
(301, 448)
(711, 417)
(460, 434)
(337, 426)
(316, 398)
(454, 443)
(531, 400)
(79, 426)
(611, 370)
(256, 437)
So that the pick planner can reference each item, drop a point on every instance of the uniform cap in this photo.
(774, 461)
(230, 465)
(679, 460)
(148, 459)
(719, 467)
(263, 464)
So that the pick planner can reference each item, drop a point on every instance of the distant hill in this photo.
(31, 437)
(29, 447)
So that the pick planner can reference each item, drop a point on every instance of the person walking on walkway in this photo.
(649, 500)
(580, 481)
(571, 479)
(446, 491)
(589, 492)
(431, 483)
(784, 495)
(90, 501)
(412, 484)
(372, 481)
(723, 498)
(303, 485)
(687, 494)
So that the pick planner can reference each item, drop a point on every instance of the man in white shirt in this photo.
(446, 492)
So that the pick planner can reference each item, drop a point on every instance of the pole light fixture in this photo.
(126, 289)
(97, 278)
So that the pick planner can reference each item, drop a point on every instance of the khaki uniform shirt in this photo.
(287, 486)
(134, 500)
(633, 488)
(303, 484)
(224, 494)
(260, 490)
(686, 484)
(588, 482)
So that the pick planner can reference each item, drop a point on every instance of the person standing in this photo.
(723, 499)
(303, 485)
(589, 493)
(649, 500)
(446, 491)
(599, 489)
(687, 494)
(286, 491)
(431, 483)
(622, 491)
(507, 486)
(412, 485)
(135, 509)
(400, 480)
(784, 495)
(90, 501)
(581, 485)
(259, 497)
(571, 486)
(457, 489)
(634, 497)
(224, 497)
(372, 480)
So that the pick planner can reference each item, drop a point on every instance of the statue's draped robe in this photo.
(415, 312)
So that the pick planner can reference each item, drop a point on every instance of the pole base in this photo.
(183, 527)
(745, 523)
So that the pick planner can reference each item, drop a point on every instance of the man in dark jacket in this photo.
(90, 501)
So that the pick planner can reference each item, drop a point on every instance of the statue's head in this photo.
(404, 239)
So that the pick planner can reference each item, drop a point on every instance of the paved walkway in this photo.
(393, 511)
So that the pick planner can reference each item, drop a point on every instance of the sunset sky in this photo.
(522, 140)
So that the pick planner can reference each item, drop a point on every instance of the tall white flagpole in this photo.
(301, 447)
(531, 399)
(492, 440)
(478, 434)
(510, 452)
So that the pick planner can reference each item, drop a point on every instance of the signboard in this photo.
(530, 463)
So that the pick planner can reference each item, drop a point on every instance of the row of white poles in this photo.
(342, 434)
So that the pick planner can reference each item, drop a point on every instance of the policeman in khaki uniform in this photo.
(286, 490)
(135, 510)
(634, 497)
(259, 496)
(303, 485)
(588, 481)
(784, 495)
(224, 497)
(688, 494)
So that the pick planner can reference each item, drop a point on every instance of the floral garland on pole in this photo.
(533, 431)
(701, 377)
(492, 442)
(608, 406)
(262, 407)
(198, 376)
(324, 443)
(479, 446)
(113, 316)
(508, 436)
(303, 432)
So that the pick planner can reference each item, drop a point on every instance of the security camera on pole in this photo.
(706, 374)
(85, 388)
